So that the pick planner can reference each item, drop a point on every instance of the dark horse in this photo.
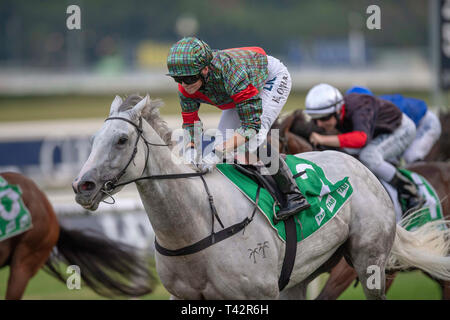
(294, 132)
(109, 268)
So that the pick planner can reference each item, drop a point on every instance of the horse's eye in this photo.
(122, 141)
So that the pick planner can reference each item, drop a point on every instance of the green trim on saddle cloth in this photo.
(431, 210)
(326, 198)
(14, 216)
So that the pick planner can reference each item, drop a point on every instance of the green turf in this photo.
(45, 287)
(407, 286)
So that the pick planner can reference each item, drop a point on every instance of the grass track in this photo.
(407, 286)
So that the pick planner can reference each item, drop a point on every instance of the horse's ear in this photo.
(117, 102)
(138, 108)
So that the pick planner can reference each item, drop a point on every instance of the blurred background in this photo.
(58, 79)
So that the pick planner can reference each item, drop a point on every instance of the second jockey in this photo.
(375, 129)
(428, 126)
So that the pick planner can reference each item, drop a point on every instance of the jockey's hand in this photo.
(324, 140)
(209, 162)
(316, 139)
(190, 156)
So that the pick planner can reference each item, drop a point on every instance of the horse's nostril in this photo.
(86, 186)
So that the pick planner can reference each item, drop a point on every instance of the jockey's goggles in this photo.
(325, 118)
(186, 79)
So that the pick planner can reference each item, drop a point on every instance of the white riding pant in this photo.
(428, 132)
(388, 147)
(273, 95)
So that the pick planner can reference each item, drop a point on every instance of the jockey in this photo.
(428, 126)
(250, 88)
(372, 127)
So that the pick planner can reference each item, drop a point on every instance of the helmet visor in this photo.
(186, 79)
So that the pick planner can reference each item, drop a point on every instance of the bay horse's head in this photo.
(119, 151)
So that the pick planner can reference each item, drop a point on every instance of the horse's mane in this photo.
(150, 114)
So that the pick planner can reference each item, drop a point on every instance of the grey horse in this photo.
(364, 231)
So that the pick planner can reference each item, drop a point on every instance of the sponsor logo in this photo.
(319, 217)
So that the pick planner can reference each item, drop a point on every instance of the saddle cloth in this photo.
(326, 198)
(430, 211)
(14, 216)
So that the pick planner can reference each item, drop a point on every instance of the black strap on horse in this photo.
(289, 254)
(212, 238)
(291, 234)
(202, 244)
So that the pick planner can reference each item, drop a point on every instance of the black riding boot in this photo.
(407, 191)
(295, 200)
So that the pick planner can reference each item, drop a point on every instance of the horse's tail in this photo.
(425, 248)
(109, 268)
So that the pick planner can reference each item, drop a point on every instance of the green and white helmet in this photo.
(323, 100)
(188, 57)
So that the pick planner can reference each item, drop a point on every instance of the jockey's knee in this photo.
(371, 158)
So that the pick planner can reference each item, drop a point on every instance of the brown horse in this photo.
(441, 149)
(109, 268)
(437, 173)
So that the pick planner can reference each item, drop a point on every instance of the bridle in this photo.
(112, 184)
(213, 238)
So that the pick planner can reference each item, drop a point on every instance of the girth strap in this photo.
(289, 254)
(205, 242)
(212, 238)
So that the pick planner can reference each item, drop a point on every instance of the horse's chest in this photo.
(210, 279)
(184, 280)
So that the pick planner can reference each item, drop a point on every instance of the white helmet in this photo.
(323, 100)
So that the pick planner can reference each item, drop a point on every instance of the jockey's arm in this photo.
(249, 112)
(231, 144)
(320, 139)
(355, 139)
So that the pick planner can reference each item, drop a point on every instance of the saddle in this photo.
(264, 181)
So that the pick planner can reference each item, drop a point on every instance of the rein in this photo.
(213, 238)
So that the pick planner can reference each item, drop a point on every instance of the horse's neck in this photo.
(174, 206)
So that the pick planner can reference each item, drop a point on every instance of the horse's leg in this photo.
(369, 261)
(341, 276)
(297, 292)
(25, 264)
(389, 280)
(445, 287)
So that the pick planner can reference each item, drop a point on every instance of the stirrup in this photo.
(417, 207)
(277, 218)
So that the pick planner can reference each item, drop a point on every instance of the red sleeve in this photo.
(190, 117)
(354, 139)
(245, 94)
(254, 49)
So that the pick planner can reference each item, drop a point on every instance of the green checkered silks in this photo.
(326, 198)
(231, 72)
(14, 216)
(188, 57)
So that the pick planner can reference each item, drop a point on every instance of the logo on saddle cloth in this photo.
(432, 208)
(14, 216)
(326, 198)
